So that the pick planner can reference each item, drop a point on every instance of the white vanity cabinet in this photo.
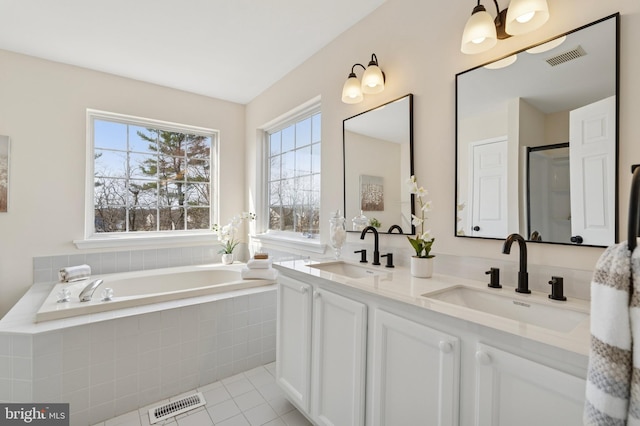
(293, 340)
(321, 352)
(343, 353)
(338, 359)
(414, 374)
(512, 390)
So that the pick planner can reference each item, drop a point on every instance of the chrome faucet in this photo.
(523, 276)
(87, 293)
(376, 252)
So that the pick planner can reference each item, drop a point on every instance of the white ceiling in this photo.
(227, 49)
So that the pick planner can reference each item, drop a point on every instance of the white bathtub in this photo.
(145, 287)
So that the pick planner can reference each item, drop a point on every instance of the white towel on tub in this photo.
(259, 274)
(259, 264)
(74, 273)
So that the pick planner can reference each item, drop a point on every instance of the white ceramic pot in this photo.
(421, 267)
(227, 258)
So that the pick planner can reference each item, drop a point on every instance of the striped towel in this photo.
(613, 378)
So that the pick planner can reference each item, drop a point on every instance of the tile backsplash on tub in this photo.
(45, 268)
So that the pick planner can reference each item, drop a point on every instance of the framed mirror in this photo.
(378, 160)
(513, 114)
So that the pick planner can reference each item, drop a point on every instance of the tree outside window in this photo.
(150, 179)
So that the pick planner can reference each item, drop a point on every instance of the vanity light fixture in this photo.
(482, 32)
(372, 82)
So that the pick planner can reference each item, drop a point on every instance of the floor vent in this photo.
(174, 408)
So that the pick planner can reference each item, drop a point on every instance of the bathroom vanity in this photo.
(360, 345)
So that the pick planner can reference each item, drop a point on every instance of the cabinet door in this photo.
(511, 390)
(293, 341)
(338, 358)
(415, 374)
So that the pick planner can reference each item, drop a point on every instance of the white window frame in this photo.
(285, 239)
(94, 239)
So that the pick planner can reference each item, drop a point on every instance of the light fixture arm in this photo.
(501, 22)
(353, 70)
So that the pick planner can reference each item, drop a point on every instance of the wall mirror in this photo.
(378, 160)
(549, 112)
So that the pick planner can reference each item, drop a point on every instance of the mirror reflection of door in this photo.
(593, 175)
(489, 188)
(548, 196)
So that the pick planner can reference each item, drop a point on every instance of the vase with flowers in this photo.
(422, 262)
(227, 235)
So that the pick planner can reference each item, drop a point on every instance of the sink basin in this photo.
(348, 270)
(558, 318)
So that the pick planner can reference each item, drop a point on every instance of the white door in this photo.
(293, 340)
(415, 374)
(511, 390)
(592, 144)
(489, 207)
(338, 360)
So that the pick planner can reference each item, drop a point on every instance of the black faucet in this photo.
(523, 276)
(376, 252)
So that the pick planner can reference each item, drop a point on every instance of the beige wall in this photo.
(42, 108)
(418, 46)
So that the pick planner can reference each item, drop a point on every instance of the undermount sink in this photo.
(348, 270)
(558, 318)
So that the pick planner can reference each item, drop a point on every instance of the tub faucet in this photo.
(523, 276)
(87, 293)
(376, 252)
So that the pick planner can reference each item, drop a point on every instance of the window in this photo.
(150, 176)
(293, 175)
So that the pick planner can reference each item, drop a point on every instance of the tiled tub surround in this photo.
(110, 363)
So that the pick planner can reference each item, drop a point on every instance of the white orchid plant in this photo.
(227, 234)
(423, 240)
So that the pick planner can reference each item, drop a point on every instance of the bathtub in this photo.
(146, 287)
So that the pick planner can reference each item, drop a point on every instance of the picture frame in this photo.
(371, 193)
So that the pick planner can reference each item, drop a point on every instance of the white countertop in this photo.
(398, 284)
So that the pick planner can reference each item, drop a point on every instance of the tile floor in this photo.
(251, 398)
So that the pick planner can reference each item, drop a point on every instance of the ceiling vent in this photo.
(566, 56)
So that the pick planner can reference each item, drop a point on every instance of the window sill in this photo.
(123, 240)
(291, 242)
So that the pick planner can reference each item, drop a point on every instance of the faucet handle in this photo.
(494, 281)
(557, 284)
(363, 255)
(389, 257)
